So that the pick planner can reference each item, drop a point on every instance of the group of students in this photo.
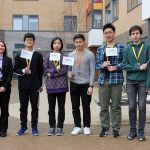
(111, 59)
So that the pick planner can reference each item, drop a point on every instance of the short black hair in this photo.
(135, 27)
(53, 40)
(78, 36)
(29, 35)
(109, 25)
(5, 51)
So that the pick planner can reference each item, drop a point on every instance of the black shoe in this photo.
(132, 134)
(116, 133)
(3, 134)
(141, 136)
(104, 132)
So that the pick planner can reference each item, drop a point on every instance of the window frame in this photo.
(139, 2)
(73, 30)
(25, 28)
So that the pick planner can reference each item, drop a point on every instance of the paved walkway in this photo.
(67, 142)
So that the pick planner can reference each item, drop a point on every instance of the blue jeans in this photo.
(135, 88)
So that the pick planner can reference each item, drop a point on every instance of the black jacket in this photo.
(33, 80)
(7, 70)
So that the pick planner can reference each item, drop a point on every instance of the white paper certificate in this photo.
(26, 54)
(68, 61)
(54, 57)
(111, 52)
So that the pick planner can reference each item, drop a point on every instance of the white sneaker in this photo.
(87, 131)
(76, 130)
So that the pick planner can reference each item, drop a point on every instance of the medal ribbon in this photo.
(137, 56)
(79, 60)
(56, 63)
(28, 62)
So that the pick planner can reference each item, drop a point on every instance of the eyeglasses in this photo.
(109, 32)
(29, 39)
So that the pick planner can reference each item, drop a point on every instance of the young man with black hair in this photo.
(82, 77)
(30, 72)
(109, 63)
(135, 63)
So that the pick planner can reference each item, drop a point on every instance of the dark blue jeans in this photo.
(134, 89)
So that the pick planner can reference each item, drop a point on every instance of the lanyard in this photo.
(137, 56)
(56, 63)
(79, 60)
(28, 62)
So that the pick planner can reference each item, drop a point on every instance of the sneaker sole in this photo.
(76, 133)
(141, 140)
(87, 133)
(106, 133)
(58, 134)
(50, 134)
(35, 134)
(23, 133)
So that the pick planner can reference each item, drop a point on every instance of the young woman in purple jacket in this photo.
(56, 86)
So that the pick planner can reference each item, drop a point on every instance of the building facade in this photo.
(44, 18)
(126, 13)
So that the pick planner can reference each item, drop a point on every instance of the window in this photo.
(133, 3)
(19, 46)
(115, 11)
(25, 22)
(97, 20)
(17, 23)
(108, 16)
(33, 23)
(70, 23)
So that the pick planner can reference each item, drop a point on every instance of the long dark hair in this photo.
(5, 51)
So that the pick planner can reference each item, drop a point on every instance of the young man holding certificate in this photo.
(135, 62)
(109, 63)
(82, 77)
(29, 68)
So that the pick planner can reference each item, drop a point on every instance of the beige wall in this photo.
(51, 13)
(127, 19)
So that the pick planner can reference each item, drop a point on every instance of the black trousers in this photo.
(61, 98)
(25, 96)
(77, 91)
(4, 107)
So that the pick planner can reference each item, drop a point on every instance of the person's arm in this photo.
(92, 69)
(40, 68)
(61, 72)
(99, 59)
(46, 66)
(119, 65)
(10, 74)
(127, 66)
(92, 74)
(18, 70)
(101, 65)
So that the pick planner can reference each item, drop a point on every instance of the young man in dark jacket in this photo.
(30, 72)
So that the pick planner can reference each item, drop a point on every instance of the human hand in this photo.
(106, 64)
(90, 91)
(111, 68)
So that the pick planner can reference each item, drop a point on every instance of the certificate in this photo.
(111, 52)
(68, 61)
(54, 57)
(26, 54)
